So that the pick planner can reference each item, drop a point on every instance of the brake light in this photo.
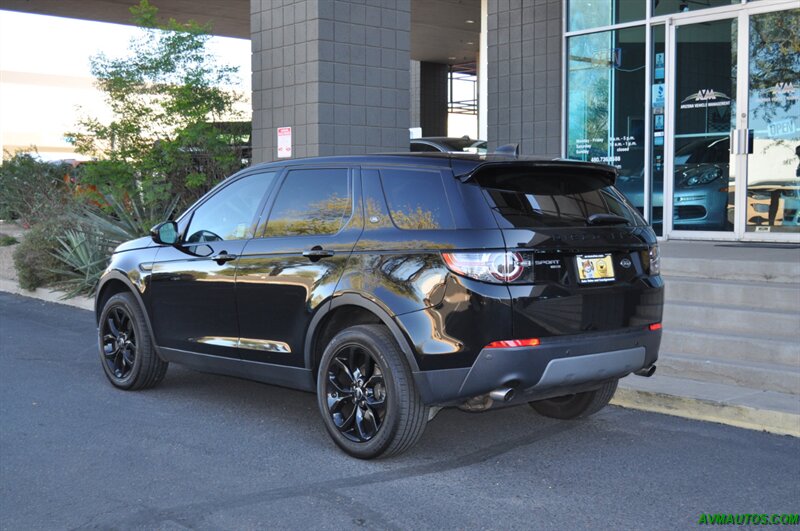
(654, 260)
(511, 343)
(496, 267)
(655, 326)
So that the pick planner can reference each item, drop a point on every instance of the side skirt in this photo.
(291, 377)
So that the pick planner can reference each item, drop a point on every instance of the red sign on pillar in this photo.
(284, 142)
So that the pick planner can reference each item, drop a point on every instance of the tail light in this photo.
(652, 260)
(495, 267)
(655, 326)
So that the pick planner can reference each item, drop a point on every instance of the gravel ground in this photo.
(7, 270)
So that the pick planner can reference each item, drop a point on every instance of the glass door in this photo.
(770, 140)
(732, 135)
(701, 174)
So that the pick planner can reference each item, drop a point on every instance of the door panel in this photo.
(193, 296)
(279, 288)
(193, 299)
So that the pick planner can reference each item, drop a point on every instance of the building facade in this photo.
(696, 102)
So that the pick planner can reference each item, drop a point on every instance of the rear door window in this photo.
(311, 202)
(417, 199)
(542, 200)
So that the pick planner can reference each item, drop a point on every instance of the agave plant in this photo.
(85, 250)
(85, 255)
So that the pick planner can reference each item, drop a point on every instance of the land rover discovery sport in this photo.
(391, 285)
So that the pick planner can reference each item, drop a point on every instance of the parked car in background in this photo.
(393, 285)
(443, 144)
(702, 195)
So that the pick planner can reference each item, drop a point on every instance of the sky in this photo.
(46, 84)
(34, 110)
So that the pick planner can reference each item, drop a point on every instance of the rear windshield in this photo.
(544, 200)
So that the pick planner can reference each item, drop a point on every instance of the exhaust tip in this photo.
(647, 372)
(502, 394)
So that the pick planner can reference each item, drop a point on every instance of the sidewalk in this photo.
(726, 403)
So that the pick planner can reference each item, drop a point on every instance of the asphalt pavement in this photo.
(210, 452)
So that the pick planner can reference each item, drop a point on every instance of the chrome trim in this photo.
(265, 344)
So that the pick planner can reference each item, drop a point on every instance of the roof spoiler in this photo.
(565, 168)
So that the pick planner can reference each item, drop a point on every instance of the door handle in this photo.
(748, 141)
(223, 257)
(317, 252)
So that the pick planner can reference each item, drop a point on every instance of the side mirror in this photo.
(165, 233)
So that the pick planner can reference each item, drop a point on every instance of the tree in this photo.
(168, 97)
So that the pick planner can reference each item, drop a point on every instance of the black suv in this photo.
(393, 285)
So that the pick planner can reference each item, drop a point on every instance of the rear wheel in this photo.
(579, 405)
(366, 394)
(126, 352)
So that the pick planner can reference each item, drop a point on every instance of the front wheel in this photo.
(366, 394)
(127, 353)
(579, 405)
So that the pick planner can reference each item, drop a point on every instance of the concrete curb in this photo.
(778, 422)
(10, 286)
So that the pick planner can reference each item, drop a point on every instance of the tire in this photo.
(576, 406)
(370, 407)
(127, 355)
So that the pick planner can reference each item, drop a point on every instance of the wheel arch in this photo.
(115, 282)
(348, 310)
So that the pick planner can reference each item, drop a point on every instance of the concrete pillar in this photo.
(433, 98)
(335, 71)
(524, 75)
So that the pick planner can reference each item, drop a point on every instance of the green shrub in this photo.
(34, 190)
(6, 240)
(34, 258)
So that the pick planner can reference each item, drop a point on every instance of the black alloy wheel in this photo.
(127, 353)
(366, 394)
(119, 343)
(356, 393)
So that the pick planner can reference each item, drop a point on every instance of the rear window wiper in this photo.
(607, 219)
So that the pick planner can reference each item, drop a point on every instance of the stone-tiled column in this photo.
(336, 71)
(524, 65)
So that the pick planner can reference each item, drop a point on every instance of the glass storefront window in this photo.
(773, 167)
(667, 7)
(584, 14)
(605, 104)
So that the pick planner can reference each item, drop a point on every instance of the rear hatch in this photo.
(586, 253)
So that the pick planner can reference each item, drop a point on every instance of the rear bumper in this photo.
(558, 366)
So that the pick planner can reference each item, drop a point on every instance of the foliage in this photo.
(33, 190)
(84, 251)
(168, 97)
(85, 255)
(6, 240)
(121, 221)
(35, 259)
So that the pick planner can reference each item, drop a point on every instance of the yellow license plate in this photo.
(594, 268)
